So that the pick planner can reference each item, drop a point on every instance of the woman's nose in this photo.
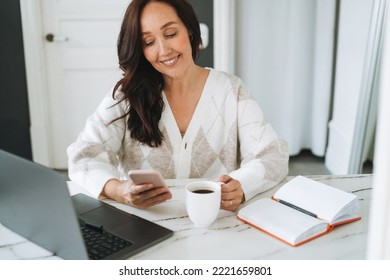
(163, 47)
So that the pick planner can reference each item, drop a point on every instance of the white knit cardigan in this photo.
(227, 135)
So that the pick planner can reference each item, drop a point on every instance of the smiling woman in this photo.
(170, 114)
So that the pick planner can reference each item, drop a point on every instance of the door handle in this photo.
(50, 37)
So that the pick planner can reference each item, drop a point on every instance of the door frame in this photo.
(36, 81)
(36, 72)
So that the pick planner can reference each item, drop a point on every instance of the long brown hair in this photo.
(141, 84)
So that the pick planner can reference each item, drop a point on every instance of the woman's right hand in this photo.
(140, 196)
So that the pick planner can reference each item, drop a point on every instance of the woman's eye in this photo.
(170, 35)
(148, 43)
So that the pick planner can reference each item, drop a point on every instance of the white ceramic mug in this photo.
(203, 199)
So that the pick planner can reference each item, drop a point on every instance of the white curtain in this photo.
(284, 54)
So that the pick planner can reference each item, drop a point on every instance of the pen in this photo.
(297, 208)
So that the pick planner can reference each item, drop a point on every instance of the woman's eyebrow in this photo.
(168, 24)
(162, 27)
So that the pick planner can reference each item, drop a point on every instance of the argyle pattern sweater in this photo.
(228, 134)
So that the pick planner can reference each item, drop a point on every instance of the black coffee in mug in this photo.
(203, 191)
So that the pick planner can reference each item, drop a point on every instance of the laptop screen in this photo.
(35, 203)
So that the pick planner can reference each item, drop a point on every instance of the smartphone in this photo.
(147, 176)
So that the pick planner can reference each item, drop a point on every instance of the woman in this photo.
(171, 115)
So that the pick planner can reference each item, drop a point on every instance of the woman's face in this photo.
(166, 42)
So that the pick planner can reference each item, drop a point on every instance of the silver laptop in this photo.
(35, 203)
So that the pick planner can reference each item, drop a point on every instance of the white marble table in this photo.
(227, 237)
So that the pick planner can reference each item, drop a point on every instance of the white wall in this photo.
(354, 23)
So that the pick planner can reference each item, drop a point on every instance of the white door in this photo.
(81, 64)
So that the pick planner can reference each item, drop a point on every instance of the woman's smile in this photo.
(170, 61)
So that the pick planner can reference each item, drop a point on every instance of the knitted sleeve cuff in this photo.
(93, 182)
(253, 180)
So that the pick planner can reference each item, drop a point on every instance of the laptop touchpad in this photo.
(108, 217)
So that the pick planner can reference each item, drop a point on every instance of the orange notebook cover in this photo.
(329, 229)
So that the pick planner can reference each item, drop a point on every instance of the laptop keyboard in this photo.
(101, 244)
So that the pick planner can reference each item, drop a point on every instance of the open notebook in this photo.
(301, 210)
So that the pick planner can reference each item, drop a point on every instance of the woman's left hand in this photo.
(232, 194)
